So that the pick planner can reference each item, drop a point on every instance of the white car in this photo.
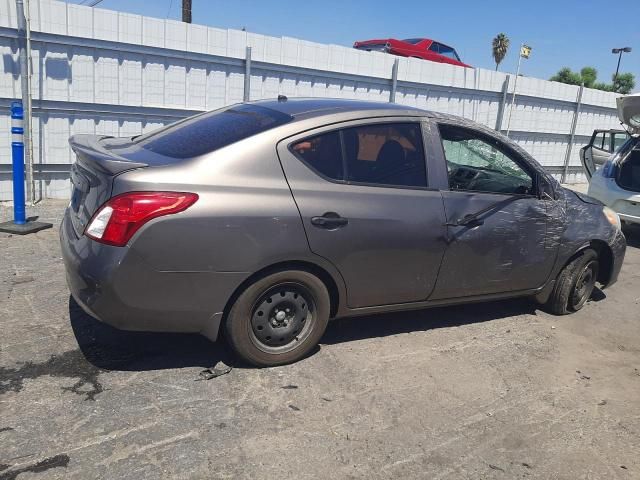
(617, 182)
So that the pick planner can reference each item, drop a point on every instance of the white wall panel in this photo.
(107, 84)
(82, 80)
(153, 81)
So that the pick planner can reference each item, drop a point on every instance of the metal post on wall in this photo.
(394, 81)
(574, 123)
(247, 75)
(25, 84)
(20, 224)
(503, 103)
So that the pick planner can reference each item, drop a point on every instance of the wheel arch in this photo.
(605, 258)
(325, 277)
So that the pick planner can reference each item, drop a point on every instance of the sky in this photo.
(562, 33)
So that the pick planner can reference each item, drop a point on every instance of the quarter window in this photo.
(323, 154)
(389, 154)
(479, 163)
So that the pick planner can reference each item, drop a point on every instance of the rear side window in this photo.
(207, 132)
(323, 154)
(389, 154)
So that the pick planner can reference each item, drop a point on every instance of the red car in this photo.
(414, 47)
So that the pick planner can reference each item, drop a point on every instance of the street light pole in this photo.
(186, 11)
(619, 51)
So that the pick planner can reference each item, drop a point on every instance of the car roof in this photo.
(300, 108)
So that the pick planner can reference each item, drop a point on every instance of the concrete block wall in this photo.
(114, 73)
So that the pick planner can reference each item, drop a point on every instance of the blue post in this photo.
(17, 153)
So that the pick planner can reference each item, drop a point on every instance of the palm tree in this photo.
(500, 45)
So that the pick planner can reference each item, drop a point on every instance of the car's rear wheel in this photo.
(279, 318)
(574, 284)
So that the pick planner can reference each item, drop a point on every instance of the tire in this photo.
(574, 284)
(279, 318)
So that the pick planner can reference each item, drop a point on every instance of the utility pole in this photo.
(186, 11)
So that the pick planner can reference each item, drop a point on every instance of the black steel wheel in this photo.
(574, 284)
(583, 287)
(282, 318)
(279, 318)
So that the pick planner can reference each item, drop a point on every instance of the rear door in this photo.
(362, 191)
(596, 152)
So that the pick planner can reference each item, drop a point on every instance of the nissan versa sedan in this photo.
(264, 220)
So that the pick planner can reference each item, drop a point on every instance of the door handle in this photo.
(466, 221)
(329, 220)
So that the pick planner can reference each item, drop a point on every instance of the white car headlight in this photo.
(612, 216)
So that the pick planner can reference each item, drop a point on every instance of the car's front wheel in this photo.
(279, 318)
(574, 284)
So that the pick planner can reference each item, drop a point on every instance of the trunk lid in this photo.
(92, 176)
(629, 111)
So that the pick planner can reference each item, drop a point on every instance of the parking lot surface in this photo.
(495, 390)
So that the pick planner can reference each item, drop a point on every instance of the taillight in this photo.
(117, 220)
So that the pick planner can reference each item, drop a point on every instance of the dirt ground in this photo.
(495, 390)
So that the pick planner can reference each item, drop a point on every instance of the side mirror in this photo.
(545, 189)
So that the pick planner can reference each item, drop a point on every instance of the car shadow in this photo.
(382, 325)
(632, 234)
(108, 348)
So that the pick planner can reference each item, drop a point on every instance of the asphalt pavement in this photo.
(494, 390)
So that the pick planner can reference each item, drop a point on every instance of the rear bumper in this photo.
(625, 203)
(117, 287)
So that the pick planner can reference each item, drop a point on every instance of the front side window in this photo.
(389, 154)
(479, 163)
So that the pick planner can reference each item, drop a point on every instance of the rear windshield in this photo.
(210, 131)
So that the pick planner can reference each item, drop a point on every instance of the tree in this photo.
(499, 48)
(623, 83)
(566, 75)
(589, 75)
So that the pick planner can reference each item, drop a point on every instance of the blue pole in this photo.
(17, 153)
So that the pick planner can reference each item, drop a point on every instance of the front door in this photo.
(363, 196)
(503, 246)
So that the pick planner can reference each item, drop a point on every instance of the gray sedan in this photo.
(264, 220)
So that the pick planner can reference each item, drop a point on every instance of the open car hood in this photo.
(629, 111)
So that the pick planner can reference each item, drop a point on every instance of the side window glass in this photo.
(321, 153)
(599, 140)
(619, 139)
(606, 142)
(482, 164)
(434, 47)
(385, 154)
